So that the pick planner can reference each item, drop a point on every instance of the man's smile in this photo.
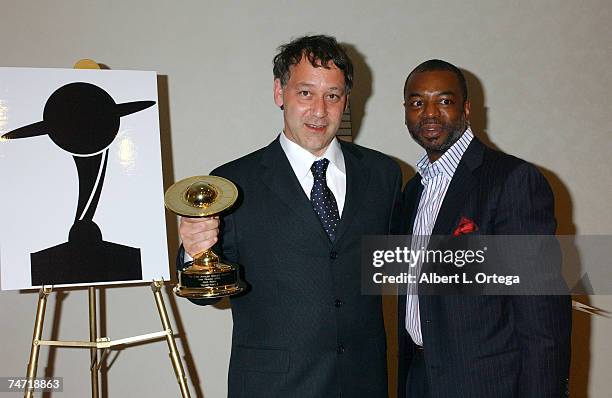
(316, 127)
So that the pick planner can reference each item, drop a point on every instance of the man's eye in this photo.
(333, 97)
(304, 93)
(446, 101)
(416, 103)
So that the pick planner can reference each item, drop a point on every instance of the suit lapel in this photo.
(462, 183)
(276, 173)
(357, 179)
(414, 190)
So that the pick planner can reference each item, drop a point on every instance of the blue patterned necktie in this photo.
(322, 199)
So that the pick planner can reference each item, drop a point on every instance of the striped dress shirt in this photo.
(436, 178)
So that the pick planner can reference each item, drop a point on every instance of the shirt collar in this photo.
(301, 160)
(448, 162)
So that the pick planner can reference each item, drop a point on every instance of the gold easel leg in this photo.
(93, 337)
(38, 326)
(174, 355)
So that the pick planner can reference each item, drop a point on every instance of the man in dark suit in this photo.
(303, 328)
(467, 345)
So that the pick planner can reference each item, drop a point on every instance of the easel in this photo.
(104, 343)
(96, 343)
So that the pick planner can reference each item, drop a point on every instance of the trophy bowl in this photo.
(206, 276)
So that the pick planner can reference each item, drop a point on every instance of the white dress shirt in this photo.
(301, 160)
(436, 178)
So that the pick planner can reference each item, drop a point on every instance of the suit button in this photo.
(338, 303)
(340, 349)
(333, 255)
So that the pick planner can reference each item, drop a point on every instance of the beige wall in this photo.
(539, 71)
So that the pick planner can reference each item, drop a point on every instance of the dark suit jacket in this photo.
(490, 346)
(303, 329)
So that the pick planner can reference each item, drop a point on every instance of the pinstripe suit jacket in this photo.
(490, 346)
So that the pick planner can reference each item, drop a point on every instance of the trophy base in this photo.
(220, 280)
(210, 292)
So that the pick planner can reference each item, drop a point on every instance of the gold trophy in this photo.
(206, 276)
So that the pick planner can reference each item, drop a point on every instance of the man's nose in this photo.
(431, 109)
(319, 107)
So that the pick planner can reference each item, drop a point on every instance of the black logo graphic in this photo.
(83, 119)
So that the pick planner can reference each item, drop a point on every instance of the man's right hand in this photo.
(198, 234)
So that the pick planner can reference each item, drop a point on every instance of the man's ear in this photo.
(278, 93)
(467, 106)
(346, 102)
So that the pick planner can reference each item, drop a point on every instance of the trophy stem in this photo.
(206, 259)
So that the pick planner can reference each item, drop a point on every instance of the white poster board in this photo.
(81, 194)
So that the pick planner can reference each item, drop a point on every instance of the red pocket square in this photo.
(466, 226)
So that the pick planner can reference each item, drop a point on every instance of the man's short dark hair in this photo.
(319, 50)
(436, 65)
